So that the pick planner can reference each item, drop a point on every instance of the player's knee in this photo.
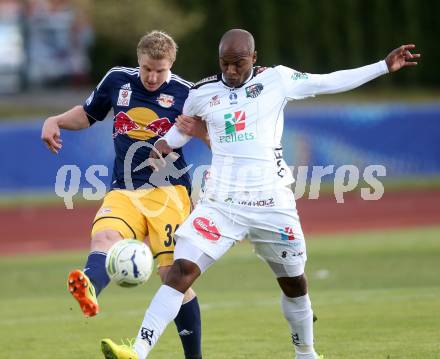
(189, 295)
(103, 240)
(293, 286)
(163, 272)
(182, 275)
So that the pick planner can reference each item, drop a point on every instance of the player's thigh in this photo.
(283, 260)
(165, 209)
(281, 244)
(190, 251)
(209, 229)
(104, 239)
(119, 213)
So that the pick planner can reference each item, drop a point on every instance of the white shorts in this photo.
(268, 219)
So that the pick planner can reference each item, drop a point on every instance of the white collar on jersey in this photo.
(247, 80)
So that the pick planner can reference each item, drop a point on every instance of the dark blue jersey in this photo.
(140, 118)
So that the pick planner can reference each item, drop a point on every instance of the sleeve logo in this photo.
(299, 76)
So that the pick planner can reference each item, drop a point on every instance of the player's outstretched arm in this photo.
(345, 80)
(401, 57)
(73, 119)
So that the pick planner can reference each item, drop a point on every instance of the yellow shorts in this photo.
(155, 212)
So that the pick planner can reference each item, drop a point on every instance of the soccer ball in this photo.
(129, 263)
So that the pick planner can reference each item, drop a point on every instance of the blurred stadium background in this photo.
(54, 51)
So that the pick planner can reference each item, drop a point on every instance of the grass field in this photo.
(377, 296)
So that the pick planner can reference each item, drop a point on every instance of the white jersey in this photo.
(245, 124)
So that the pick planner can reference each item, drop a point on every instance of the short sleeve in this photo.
(98, 104)
(192, 106)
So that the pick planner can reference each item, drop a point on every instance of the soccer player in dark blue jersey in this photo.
(145, 102)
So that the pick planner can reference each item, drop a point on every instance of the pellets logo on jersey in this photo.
(235, 122)
(206, 228)
(140, 123)
(165, 100)
(235, 126)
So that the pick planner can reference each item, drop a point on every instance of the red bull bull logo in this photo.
(123, 124)
(165, 100)
(140, 123)
(160, 126)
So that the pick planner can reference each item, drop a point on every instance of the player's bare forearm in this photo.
(74, 119)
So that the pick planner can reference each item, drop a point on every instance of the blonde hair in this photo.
(157, 45)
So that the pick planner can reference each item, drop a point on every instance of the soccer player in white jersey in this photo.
(248, 192)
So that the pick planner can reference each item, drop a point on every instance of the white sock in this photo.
(298, 313)
(311, 355)
(162, 310)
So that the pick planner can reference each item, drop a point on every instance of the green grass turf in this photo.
(376, 295)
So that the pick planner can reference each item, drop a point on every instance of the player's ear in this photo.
(254, 57)
(169, 60)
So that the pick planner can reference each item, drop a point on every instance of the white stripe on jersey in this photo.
(182, 81)
(128, 70)
(181, 78)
